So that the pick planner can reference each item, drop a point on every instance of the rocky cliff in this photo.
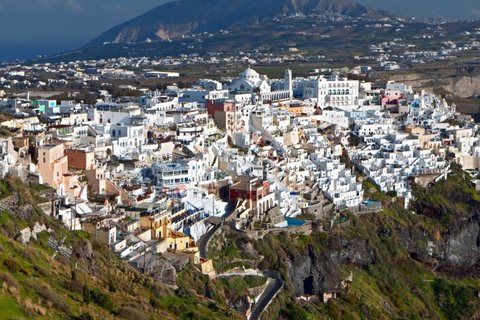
(182, 17)
(312, 271)
(422, 262)
(453, 82)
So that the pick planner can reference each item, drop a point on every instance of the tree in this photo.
(87, 298)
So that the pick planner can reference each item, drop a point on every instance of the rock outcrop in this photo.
(457, 250)
(452, 82)
(315, 272)
(462, 248)
(28, 233)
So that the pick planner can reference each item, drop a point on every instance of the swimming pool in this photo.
(293, 222)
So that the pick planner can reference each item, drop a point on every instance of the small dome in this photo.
(249, 74)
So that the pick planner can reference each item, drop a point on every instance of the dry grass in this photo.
(52, 299)
(9, 280)
(32, 309)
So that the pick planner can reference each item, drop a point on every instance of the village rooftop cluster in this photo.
(153, 174)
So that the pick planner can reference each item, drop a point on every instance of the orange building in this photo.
(295, 109)
(80, 157)
(414, 130)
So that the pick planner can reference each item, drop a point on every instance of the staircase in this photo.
(91, 131)
(275, 284)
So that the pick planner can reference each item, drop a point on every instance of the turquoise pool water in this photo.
(294, 221)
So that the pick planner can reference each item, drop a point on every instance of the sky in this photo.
(454, 9)
(32, 27)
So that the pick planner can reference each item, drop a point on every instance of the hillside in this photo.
(412, 264)
(421, 263)
(175, 19)
(39, 282)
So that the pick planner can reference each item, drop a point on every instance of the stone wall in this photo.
(305, 229)
(321, 210)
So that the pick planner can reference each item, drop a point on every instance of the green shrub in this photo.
(183, 292)
(131, 313)
(103, 300)
(455, 301)
(12, 265)
(74, 285)
(86, 316)
(87, 297)
(254, 281)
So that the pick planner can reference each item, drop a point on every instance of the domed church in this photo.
(250, 81)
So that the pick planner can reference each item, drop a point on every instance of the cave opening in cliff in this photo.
(308, 287)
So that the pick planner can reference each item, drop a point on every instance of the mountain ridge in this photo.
(179, 18)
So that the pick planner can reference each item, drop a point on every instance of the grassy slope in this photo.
(37, 286)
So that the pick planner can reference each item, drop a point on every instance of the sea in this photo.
(28, 50)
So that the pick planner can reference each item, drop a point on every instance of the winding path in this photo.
(217, 222)
(202, 243)
(274, 285)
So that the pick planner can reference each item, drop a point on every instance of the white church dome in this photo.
(249, 74)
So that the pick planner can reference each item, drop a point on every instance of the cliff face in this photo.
(459, 247)
(178, 18)
(462, 248)
(418, 263)
(313, 271)
(452, 82)
(456, 251)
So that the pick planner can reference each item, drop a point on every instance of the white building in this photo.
(329, 91)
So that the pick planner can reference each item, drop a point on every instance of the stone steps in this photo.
(274, 286)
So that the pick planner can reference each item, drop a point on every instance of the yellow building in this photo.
(414, 130)
(177, 242)
(160, 224)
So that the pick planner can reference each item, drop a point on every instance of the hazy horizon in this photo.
(33, 27)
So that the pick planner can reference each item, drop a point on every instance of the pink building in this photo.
(52, 164)
(391, 97)
(53, 170)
